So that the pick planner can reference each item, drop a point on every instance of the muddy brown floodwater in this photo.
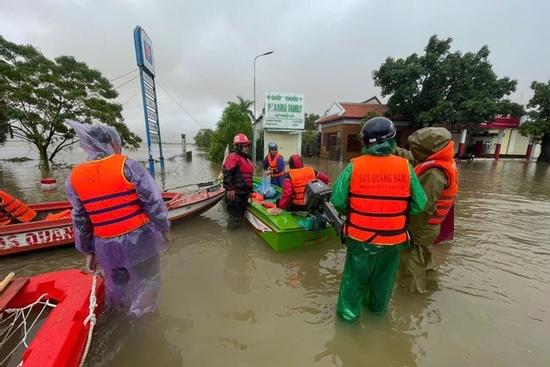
(229, 300)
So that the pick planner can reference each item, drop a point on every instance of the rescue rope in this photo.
(199, 184)
(20, 313)
(90, 319)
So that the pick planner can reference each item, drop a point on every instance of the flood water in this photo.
(229, 300)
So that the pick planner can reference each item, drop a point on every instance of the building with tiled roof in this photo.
(341, 124)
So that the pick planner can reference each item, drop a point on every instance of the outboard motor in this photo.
(317, 197)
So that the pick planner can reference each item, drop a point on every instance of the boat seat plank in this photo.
(11, 291)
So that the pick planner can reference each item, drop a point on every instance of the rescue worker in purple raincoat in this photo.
(119, 219)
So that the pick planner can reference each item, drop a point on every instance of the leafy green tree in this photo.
(40, 94)
(310, 119)
(444, 87)
(203, 138)
(538, 125)
(310, 137)
(4, 126)
(235, 119)
(310, 143)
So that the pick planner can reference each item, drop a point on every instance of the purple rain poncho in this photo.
(130, 261)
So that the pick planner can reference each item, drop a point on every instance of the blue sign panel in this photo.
(146, 64)
(144, 50)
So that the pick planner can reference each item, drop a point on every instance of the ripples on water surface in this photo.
(229, 300)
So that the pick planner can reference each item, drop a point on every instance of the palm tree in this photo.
(244, 105)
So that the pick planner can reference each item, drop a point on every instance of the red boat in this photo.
(62, 338)
(54, 226)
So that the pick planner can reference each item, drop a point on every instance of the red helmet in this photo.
(240, 139)
(295, 161)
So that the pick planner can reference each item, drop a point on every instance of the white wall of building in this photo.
(289, 142)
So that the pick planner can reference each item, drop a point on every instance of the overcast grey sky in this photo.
(324, 49)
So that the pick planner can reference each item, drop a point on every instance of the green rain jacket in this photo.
(340, 190)
(423, 143)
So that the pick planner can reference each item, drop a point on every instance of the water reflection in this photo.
(373, 341)
(144, 342)
(238, 263)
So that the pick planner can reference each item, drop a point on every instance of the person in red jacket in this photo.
(237, 180)
(294, 185)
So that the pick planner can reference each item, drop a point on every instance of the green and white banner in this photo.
(284, 111)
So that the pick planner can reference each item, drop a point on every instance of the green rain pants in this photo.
(368, 278)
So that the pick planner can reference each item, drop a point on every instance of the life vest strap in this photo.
(120, 206)
(380, 232)
(120, 219)
(369, 214)
(110, 196)
(378, 197)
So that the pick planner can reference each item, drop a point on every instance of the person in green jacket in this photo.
(431, 151)
(377, 192)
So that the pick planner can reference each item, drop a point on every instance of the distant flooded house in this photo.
(340, 127)
(499, 138)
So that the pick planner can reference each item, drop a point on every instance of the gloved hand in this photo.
(90, 262)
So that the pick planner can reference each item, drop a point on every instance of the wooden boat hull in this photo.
(24, 237)
(62, 337)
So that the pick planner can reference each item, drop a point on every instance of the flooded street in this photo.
(228, 299)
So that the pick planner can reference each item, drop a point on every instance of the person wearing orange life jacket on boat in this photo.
(377, 192)
(237, 180)
(296, 180)
(119, 218)
(274, 165)
(433, 150)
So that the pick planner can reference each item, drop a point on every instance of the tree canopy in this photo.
(4, 127)
(538, 124)
(235, 119)
(40, 94)
(310, 137)
(444, 87)
(310, 119)
(203, 138)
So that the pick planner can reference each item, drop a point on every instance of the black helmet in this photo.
(377, 130)
(272, 146)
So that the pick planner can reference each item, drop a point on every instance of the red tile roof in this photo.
(355, 111)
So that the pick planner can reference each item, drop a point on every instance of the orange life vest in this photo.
(443, 160)
(273, 164)
(4, 219)
(108, 197)
(300, 177)
(14, 208)
(379, 197)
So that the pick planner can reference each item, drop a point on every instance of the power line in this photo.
(129, 99)
(123, 75)
(180, 106)
(126, 82)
